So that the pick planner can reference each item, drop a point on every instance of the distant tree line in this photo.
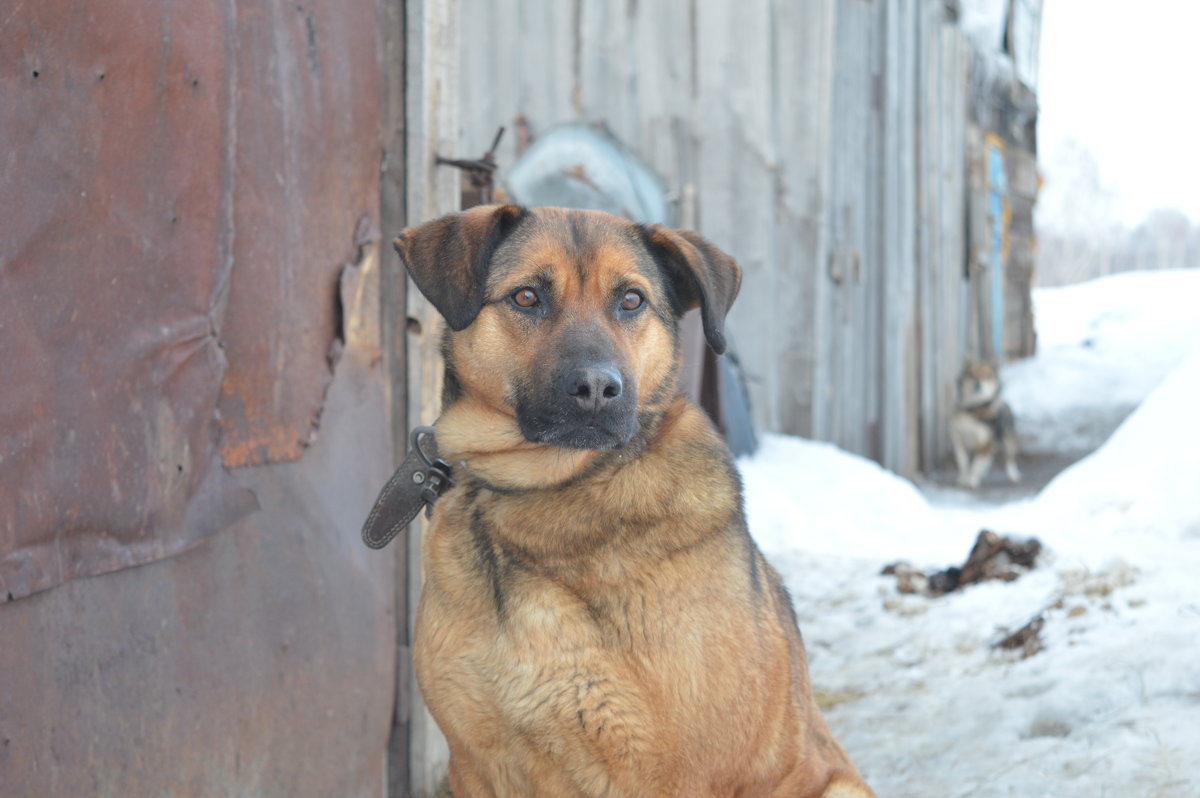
(1167, 239)
(1079, 237)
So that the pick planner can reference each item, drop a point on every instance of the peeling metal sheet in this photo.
(187, 196)
(258, 664)
(306, 174)
(110, 288)
(181, 188)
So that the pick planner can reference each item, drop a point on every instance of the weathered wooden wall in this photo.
(821, 142)
(945, 316)
(727, 101)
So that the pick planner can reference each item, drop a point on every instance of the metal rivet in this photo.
(418, 477)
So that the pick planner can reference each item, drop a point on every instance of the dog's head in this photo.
(978, 384)
(566, 319)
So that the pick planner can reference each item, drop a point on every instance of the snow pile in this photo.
(805, 494)
(1143, 484)
(1102, 347)
(916, 689)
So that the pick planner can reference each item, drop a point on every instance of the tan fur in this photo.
(598, 622)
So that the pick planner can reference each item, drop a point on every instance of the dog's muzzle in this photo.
(586, 405)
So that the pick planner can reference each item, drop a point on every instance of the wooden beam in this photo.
(432, 38)
(394, 311)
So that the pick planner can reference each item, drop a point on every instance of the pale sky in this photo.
(1123, 78)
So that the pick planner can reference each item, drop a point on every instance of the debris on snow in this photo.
(1098, 584)
(1027, 640)
(992, 557)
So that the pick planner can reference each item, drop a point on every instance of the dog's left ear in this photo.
(702, 275)
(449, 258)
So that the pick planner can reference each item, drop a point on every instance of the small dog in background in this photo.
(982, 424)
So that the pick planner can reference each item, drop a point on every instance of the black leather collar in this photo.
(417, 483)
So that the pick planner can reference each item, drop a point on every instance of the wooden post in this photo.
(432, 37)
(394, 312)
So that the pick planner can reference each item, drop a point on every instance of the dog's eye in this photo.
(525, 298)
(632, 300)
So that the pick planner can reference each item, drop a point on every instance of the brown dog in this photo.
(595, 619)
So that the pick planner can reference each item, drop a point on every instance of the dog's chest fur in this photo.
(974, 433)
(577, 631)
(560, 669)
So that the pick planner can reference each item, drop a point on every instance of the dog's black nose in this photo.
(593, 386)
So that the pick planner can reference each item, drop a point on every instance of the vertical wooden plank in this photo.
(542, 63)
(955, 286)
(393, 216)
(497, 82)
(1021, 169)
(608, 84)
(977, 241)
(803, 57)
(490, 68)
(663, 56)
(393, 307)
(432, 109)
(736, 173)
(848, 164)
(478, 58)
(840, 236)
(927, 233)
(864, 429)
(847, 372)
(898, 360)
(871, 379)
(907, 442)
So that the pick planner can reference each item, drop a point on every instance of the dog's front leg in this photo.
(961, 460)
(980, 466)
(1010, 459)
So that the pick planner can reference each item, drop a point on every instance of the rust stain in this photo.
(305, 183)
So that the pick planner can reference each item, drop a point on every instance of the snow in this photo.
(791, 481)
(1110, 74)
(1102, 347)
(913, 686)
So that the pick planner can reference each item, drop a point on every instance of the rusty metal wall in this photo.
(191, 380)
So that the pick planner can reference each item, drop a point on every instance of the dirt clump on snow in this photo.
(1027, 640)
(992, 557)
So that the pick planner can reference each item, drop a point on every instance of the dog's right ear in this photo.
(448, 258)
